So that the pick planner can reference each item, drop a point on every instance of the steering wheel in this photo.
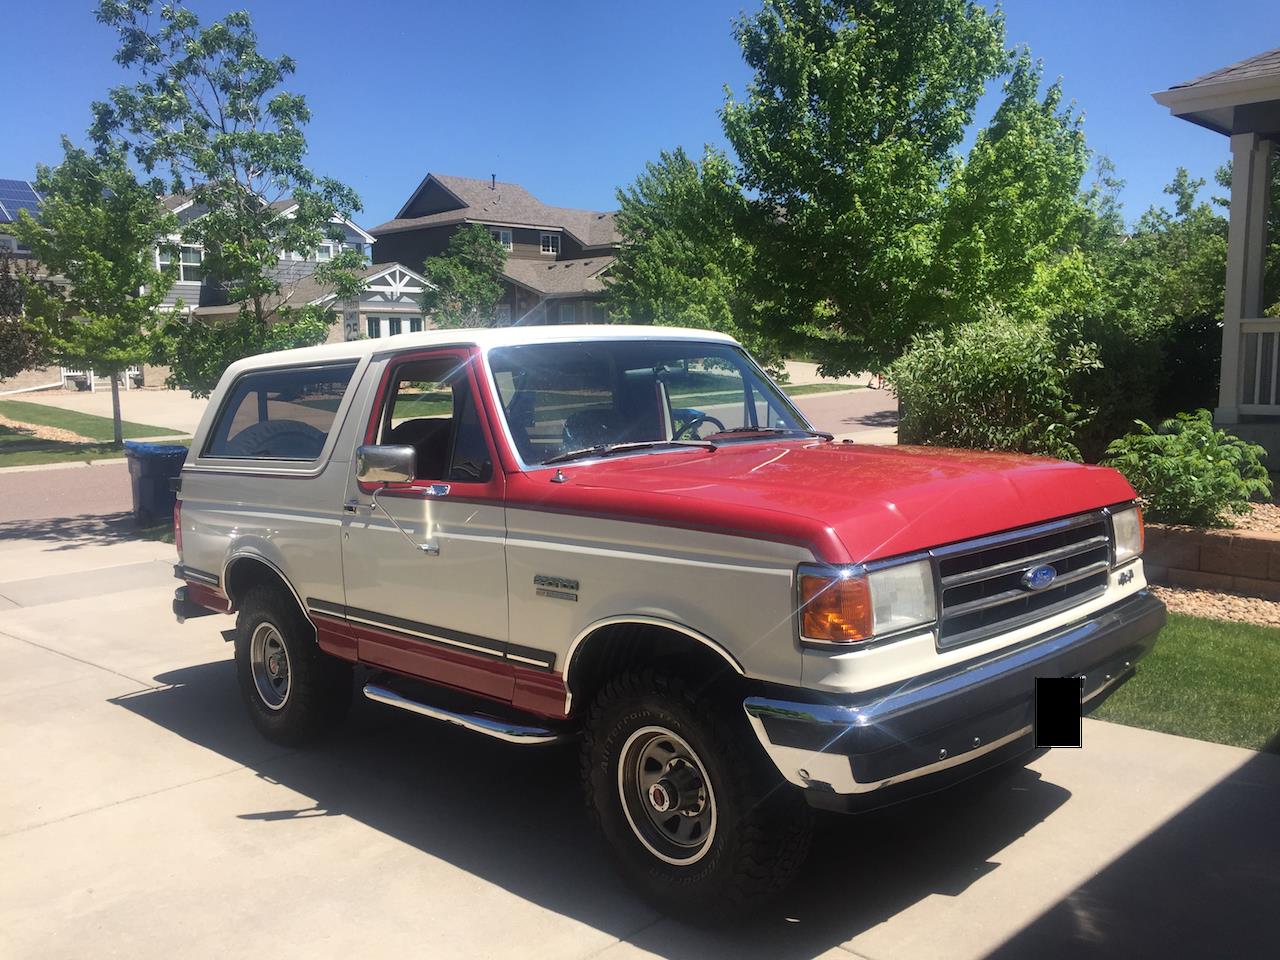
(689, 427)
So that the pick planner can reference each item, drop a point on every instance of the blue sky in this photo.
(571, 98)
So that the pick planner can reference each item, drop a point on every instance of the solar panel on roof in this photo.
(17, 195)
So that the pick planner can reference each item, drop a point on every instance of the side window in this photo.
(281, 414)
(432, 408)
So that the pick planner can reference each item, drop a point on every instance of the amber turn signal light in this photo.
(835, 609)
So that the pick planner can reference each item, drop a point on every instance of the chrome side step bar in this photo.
(507, 730)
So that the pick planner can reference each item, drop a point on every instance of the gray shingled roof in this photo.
(509, 203)
(560, 277)
(1262, 65)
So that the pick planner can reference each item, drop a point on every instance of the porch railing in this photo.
(1260, 365)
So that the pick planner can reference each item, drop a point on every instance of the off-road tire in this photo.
(318, 692)
(762, 824)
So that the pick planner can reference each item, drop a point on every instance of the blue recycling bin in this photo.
(152, 467)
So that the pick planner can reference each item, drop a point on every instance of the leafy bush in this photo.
(1188, 472)
(997, 384)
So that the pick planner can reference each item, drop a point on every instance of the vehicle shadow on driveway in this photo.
(1206, 883)
(514, 817)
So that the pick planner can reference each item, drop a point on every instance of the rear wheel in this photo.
(294, 691)
(695, 816)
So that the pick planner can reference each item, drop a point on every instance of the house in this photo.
(556, 256)
(15, 195)
(1242, 102)
(389, 305)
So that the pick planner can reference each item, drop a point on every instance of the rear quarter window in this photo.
(283, 414)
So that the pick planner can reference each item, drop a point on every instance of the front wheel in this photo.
(696, 818)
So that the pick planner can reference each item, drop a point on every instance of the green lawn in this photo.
(801, 389)
(20, 450)
(1207, 679)
(85, 424)
(161, 531)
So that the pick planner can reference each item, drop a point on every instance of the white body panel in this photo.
(735, 593)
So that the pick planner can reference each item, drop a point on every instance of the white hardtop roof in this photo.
(485, 338)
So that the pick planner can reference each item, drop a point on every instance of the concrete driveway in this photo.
(142, 816)
(176, 410)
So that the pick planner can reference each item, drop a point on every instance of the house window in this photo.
(324, 251)
(373, 326)
(504, 238)
(189, 263)
(393, 326)
(502, 313)
(551, 243)
(415, 324)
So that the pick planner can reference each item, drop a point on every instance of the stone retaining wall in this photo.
(1233, 560)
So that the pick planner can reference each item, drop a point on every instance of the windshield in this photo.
(561, 398)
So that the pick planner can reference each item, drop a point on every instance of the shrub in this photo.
(997, 383)
(1188, 472)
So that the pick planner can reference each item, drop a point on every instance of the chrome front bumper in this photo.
(865, 743)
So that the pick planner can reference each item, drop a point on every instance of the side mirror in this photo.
(386, 463)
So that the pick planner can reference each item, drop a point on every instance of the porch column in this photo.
(1246, 257)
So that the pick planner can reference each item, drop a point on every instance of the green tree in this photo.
(96, 237)
(207, 110)
(844, 140)
(687, 261)
(463, 285)
(1013, 212)
(23, 344)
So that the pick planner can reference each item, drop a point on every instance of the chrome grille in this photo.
(981, 580)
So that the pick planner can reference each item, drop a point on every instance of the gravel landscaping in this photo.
(1220, 606)
(1262, 518)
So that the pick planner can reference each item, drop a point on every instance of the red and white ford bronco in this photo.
(630, 537)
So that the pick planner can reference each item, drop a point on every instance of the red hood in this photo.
(847, 502)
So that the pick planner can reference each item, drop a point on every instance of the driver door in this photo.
(429, 598)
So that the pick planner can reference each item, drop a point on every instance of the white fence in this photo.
(91, 379)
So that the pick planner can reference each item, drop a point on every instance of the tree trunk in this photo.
(116, 430)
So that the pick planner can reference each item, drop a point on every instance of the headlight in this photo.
(849, 607)
(1126, 528)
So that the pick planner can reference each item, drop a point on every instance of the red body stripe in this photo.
(537, 691)
(207, 597)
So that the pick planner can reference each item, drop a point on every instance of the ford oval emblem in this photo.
(1037, 578)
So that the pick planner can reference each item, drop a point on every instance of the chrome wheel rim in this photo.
(269, 659)
(667, 796)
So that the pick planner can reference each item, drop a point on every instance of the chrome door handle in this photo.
(436, 490)
(430, 549)
(351, 506)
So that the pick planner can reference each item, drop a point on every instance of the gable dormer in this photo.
(431, 197)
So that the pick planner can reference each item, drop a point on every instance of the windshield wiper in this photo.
(822, 435)
(605, 449)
